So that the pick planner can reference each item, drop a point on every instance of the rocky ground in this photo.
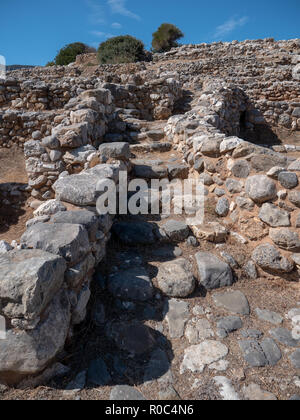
(156, 335)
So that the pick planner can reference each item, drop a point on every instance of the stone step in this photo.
(151, 147)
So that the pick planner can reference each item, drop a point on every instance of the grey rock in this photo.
(285, 337)
(140, 233)
(89, 220)
(79, 312)
(250, 333)
(198, 356)
(132, 284)
(271, 351)
(213, 273)
(269, 316)
(253, 353)
(230, 324)
(285, 239)
(288, 180)
(158, 366)
(295, 359)
(177, 314)
(260, 188)
(241, 169)
(222, 208)
(219, 192)
(273, 216)
(250, 270)
(49, 207)
(176, 278)
(245, 203)
(69, 241)
(125, 393)
(178, 171)
(150, 171)
(29, 281)
(232, 301)
(269, 258)
(29, 352)
(233, 186)
(176, 230)
(226, 389)
(114, 151)
(294, 197)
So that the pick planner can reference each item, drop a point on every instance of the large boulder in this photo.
(29, 352)
(69, 241)
(29, 280)
(213, 273)
(260, 188)
(115, 150)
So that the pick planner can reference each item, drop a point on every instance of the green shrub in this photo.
(50, 64)
(121, 49)
(69, 53)
(166, 37)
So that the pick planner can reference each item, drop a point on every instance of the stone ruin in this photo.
(225, 113)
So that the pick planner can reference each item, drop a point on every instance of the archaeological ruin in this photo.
(148, 306)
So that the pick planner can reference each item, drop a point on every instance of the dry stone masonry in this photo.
(182, 311)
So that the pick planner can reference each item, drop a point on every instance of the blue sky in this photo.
(32, 31)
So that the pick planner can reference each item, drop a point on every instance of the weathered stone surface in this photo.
(269, 316)
(222, 208)
(125, 393)
(232, 301)
(285, 239)
(260, 188)
(83, 189)
(176, 278)
(213, 273)
(253, 353)
(69, 241)
(274, 216)
(230, 324)
(178, 171)
(284, 336)
(49, 207)
(199, 356)
(254, 392)
(271, 351)
(198, 331)
(114, 151)
(211, 232)
(269, 258)
(132, 234)
(241, 169)
(294, 197)
(28, 352)
(79, 312)
(133, 284)
(29, 281)
(295, 359)
(288, 180)
(89, 220)
(233, 186)
(176, 230)
(177, 314)
(226, 389)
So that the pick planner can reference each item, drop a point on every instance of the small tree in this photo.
(166, 37)
(69, 53)
(121, 49)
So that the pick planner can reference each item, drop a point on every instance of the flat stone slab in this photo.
(260, 354)
(177, 316)
(29, 280)
(86, 218)
(213, 273)
(254, 392)
(269, 316)
(133, 284)
(285, 337)
(232, 301)
(199, 356)
(125, 393)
